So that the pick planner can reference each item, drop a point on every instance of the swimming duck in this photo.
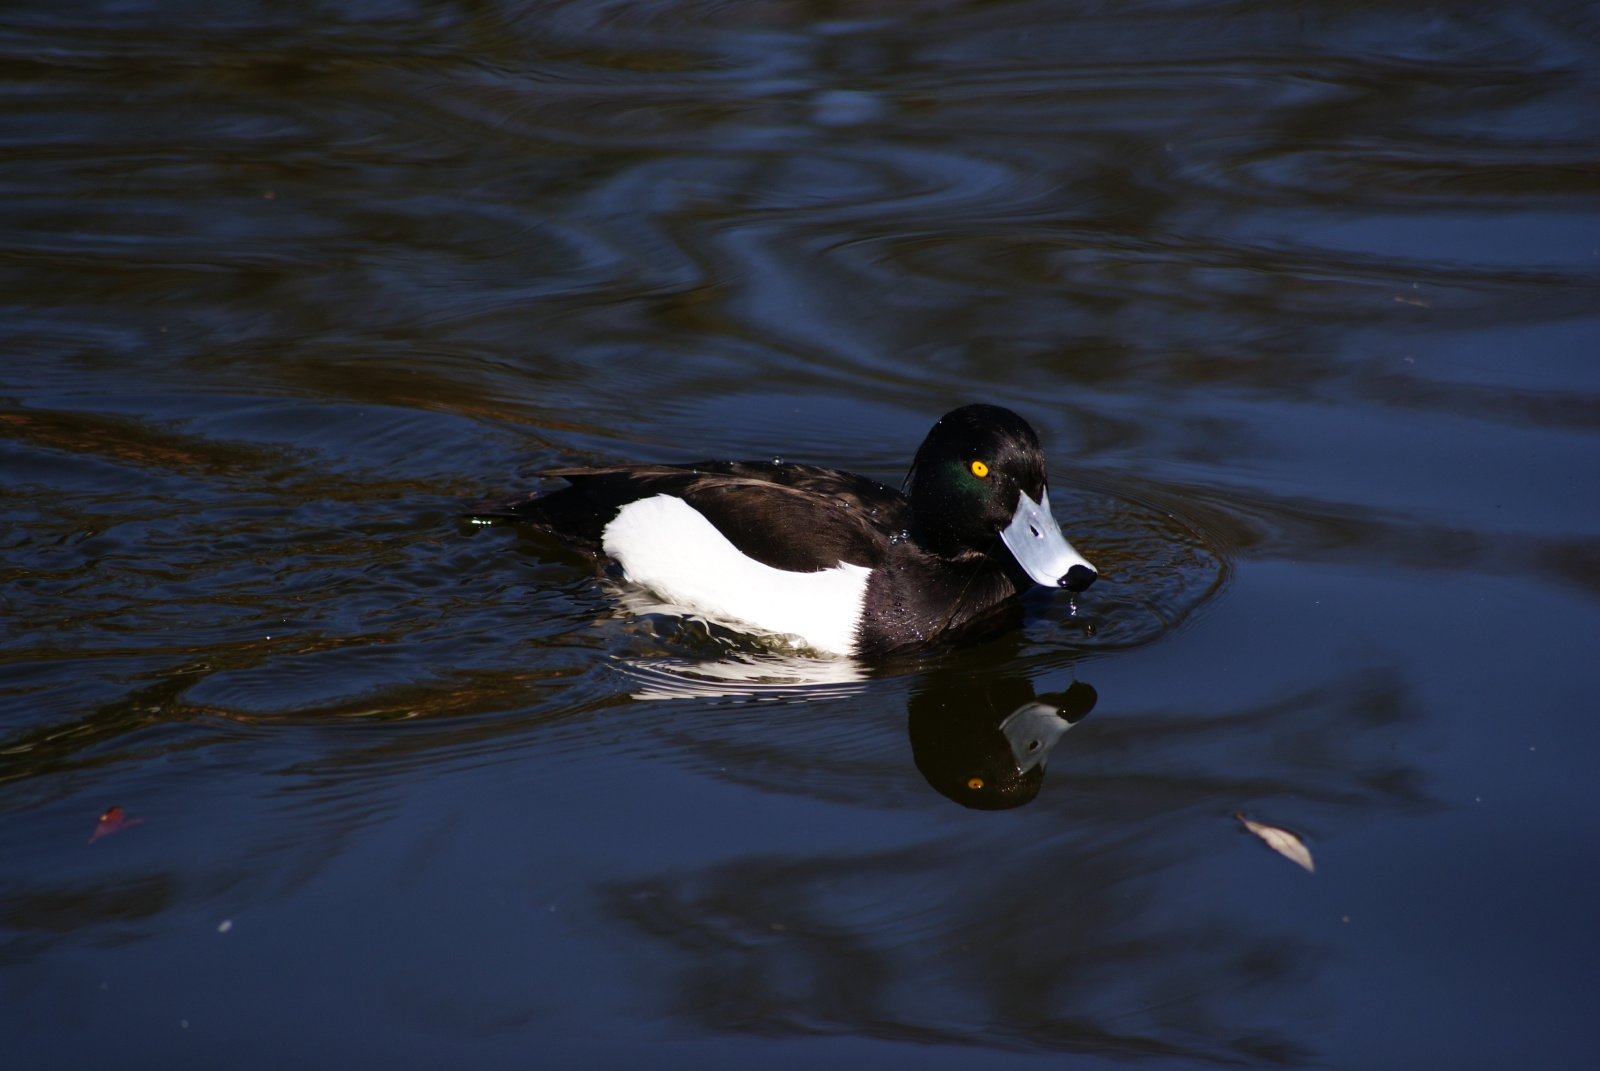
(838, 562)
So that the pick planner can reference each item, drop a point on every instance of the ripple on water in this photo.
(1157, 566)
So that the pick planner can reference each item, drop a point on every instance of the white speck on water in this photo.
(225, 925)
(184, 1023)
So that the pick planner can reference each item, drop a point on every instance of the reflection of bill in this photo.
(983, 740)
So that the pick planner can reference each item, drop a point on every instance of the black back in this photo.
(796, 517)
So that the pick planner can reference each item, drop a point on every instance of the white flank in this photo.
(669, 547)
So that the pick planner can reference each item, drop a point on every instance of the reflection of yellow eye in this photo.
(979, 469)
(977, 782)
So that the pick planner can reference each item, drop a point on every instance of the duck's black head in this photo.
(979, 481)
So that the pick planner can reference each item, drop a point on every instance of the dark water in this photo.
(1303, 300)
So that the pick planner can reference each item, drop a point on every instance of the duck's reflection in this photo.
(979, 737)
(983, 740)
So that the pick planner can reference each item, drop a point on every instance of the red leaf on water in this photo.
(114, 820)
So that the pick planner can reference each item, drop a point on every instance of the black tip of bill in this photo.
(1078, 578)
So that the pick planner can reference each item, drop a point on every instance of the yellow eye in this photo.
(979, 469)
(975, 784)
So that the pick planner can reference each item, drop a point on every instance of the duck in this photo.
(833, 562)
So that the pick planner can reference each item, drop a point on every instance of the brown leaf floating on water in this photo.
(1281, 841)
(114, 820)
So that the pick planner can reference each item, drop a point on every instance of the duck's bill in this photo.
(1035, 540)
(1032, 730)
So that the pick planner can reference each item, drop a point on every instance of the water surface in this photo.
(1302, 302)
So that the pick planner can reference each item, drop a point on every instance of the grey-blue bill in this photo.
(1035, 540)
